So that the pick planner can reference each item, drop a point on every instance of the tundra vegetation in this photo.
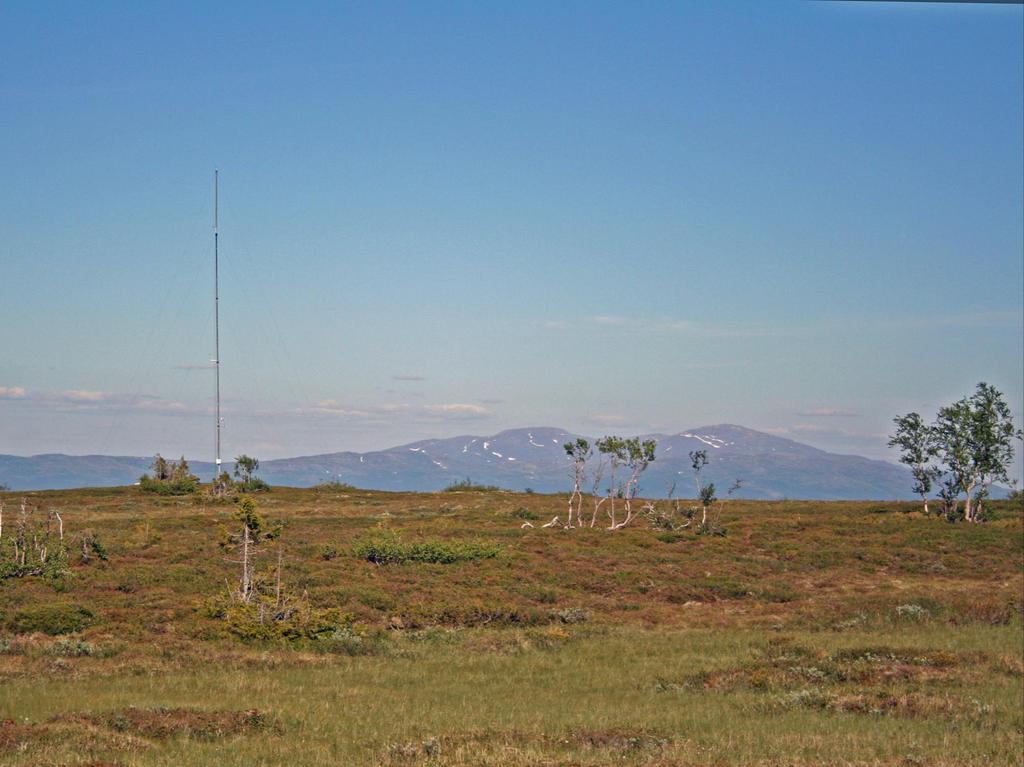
(176, 478)
(169, 477)
(246, 480)
(340, 626)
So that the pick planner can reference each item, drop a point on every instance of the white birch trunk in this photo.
(246, 579)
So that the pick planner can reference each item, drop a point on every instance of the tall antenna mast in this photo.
(216, 310)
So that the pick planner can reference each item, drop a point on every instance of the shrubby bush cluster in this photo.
(246, 480)
(257, 621)
(52, 619)
(36, 546)
(387, 547)
(261, 609)
(175, 478)
(335, 486)
(468, 485)
(169, 478)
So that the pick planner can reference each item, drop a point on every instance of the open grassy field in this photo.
(810, 634)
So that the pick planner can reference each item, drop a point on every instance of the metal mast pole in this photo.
(216, 310)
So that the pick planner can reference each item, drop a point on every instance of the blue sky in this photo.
(444, 218)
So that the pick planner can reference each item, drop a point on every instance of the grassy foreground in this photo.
(812, 633)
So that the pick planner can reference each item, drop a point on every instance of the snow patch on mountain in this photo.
(707, 439)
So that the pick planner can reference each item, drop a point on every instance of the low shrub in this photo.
(524, 513)
(388, 548)
(52, 619)
(725, 587)
(671, 537)
(329, 552)
(911, 612)
(540, 594)
(55, 569)
(779, 593)
(71, 648)
(478, 615)
(254, 485)
(92, 546)
(994, 611)
(377, 600)
(335, 487)
(143, 536)
(350, 640)
(469, 486)
(68, 647)
(572, 615)
(183, 486)
(260, 622)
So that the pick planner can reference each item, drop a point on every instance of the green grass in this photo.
(541, 702)
(812, 634)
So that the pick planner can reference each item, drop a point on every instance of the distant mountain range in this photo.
(518, 459)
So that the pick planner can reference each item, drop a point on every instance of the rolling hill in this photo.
(518, 459)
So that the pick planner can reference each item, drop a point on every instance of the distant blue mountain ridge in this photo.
(529, 458)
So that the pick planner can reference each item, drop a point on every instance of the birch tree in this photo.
(580, 452)
(705, 493)
(614, 449)
(639, 455)
(916, 441)
(246, 467)
(595, 488)
(973, 440)
(634, 455)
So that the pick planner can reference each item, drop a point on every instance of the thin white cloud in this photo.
(457, 409)
(394, 408)
(827, 430)
(408, 378)
(71, 400)
(394, 412)
(814, 428)
(827, 412)
(333, 407)
(83, 395)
